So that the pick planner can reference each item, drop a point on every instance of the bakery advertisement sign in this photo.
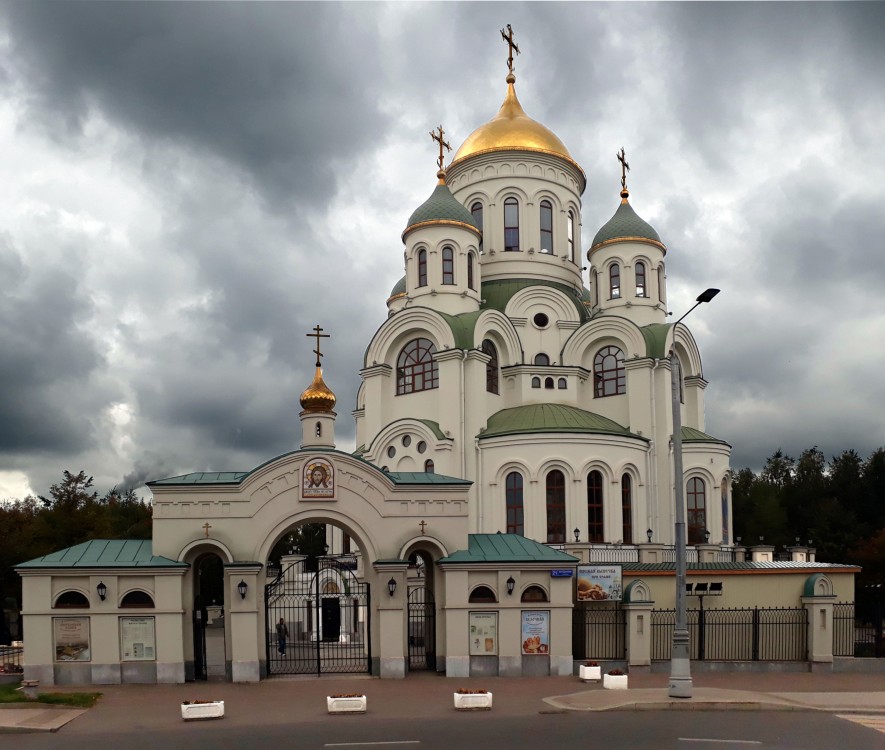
(535, 632)
(599, 583)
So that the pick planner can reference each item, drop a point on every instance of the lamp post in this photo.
(680, 655)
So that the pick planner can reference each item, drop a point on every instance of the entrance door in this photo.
(422, 629)
(326, 614)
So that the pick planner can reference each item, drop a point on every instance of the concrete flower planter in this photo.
(346, 704)
(473, 701)
(590, 674)
(202, 710)
(614, 681)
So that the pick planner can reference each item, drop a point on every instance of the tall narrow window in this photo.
(614, 281)
(639, 269)
(491, 366)
(609, 375)
(476, 210)
(513, 500)
(627, 508)
(318, 429)
(416, 370)
(470, 261)
(511, 225)
(555, 507)
(595, 294)
(595, 528)
(571, 237)
(696, 510)
(345, 544)
(546, 227)
(448, 265)
(428, 466)
(542, 359)
(422, 268)
(661, 284)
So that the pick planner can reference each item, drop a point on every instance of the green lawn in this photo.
(9, 694)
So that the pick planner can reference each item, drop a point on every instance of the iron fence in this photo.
(599, 631)
(612, 553)
(11, 659)
(859, 628)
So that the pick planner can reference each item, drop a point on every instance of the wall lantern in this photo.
(649, 533)
(707, 536)
(391, 586)
(577, 535)
(242, 587)
(325, 549)
(737, 539)
(102, 590)
(511, 584)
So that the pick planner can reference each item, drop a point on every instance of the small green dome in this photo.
(626, 224)
(441, 208)
(399, 287)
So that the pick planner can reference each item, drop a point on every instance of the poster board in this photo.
(535, 632)
(483, 633)
(599, 583)
(137, 639)
(71, 636)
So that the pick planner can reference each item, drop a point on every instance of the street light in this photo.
(680, 655)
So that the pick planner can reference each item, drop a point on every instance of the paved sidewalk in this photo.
(302, 699)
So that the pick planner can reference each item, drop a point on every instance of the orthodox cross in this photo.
(622, 157)
(511, 46)
(422, 525)
(206, 527)
(438, 137)
(318, 334)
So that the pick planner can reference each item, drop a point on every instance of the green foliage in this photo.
(9, 693)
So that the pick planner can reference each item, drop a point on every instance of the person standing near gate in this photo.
(282, 635)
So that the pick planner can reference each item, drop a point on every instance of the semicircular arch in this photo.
(408, 324)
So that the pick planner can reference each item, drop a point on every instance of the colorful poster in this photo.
(599, 583)
(536, 632)
(483, 633)
(137, 639)
(71, 638)
(318, 479)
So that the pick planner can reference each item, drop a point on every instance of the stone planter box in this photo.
(473, 701)
(355, 704)
(204, 710)
(590, 674)
(614, 681)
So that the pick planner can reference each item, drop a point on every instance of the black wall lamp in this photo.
(391, 586)
(242, 587)
(102, 590)
(511, 584)
(577, 535)
(649, 533)
(707, 536)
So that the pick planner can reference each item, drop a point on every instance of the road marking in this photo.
(363, 744)
(709, 739)
(871, 721)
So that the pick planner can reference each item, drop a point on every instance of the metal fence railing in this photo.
(599, 631)
(11, 658)
(859, 629)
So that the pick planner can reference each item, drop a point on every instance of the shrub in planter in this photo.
(590, 671)
(615, 679)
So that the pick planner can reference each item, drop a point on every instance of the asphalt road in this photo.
(630, 730)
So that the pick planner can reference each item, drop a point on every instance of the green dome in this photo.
(399, 287)
(441, 208)
(546, 418)
(626, 225)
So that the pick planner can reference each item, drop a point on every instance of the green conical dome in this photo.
(399, 288)
(441, 208)
(626, 224)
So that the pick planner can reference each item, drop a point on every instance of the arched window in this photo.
(594, 286)
(71, 600)
(627, 508)
(476, 210)
(542, 360)
(536, 382)
(534, 594)
(428, 466)
(609, 376)
(548, 383)
(470, 283)
(137, 600)
(696, 510)
(491, 366)
(614, 281)
(555, 507)
(513, 502)
(448, 265)
(546, 227)
(724, 494)
(639, 269)
(595, 528)
(416, 369)
(318, 429)
(511, 225)
(422, 268)
(561, 384)
(571, 237)
(661, 283)
(482, 595)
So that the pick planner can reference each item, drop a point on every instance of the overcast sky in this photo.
(187, 189)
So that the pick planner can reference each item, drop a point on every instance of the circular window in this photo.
(391, 452)
(541, 320)
(407, 441)
(422, 446)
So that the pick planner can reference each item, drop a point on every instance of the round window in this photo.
(541, 320)
(422, 446)
(407, 441)
(391, 452)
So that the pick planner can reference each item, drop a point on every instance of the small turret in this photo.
(317, 404)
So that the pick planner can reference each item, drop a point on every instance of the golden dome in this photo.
(318, 397)
(512, 130)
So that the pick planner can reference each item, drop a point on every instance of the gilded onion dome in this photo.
(626, 226)
(441, 208)
(318, 397)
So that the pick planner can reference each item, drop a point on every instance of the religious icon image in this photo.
(318, 479)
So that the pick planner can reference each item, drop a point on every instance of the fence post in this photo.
(820, 632)
(638, 635)
(755, 633)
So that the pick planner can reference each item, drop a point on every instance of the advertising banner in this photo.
(71, 638)
(536, 632)
(599, 583)
(483, 633)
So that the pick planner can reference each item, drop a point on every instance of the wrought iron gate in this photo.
(422, 629)
(326, 619)
(200, 617)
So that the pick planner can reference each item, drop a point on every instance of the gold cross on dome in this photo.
(438, 137)
(511, 46)
(318, 334)
(622, 157)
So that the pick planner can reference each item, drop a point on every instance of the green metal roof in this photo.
(462, 327)
(691, 435)
(535, 418)
(507, 548)
(202, 477)
(625, 223)
(496, 294)
(435, 429)
(714, 567)
(441, 206)
(398, 288)
(105, 553)
(424, 477)
(655, 335)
